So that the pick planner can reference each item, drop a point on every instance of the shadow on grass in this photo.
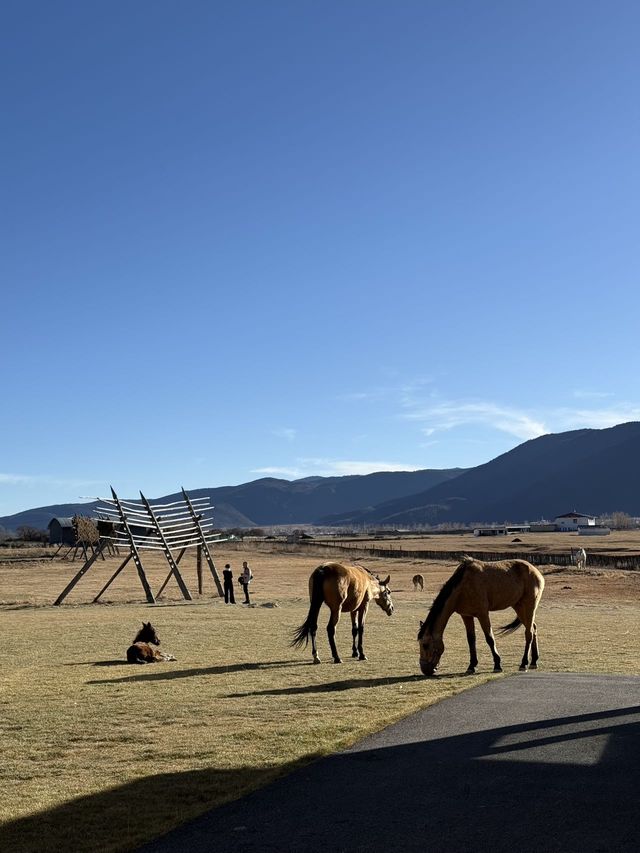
(336, 686)
(474, 782)
(168, 675)
(564, 784)
(124, 817)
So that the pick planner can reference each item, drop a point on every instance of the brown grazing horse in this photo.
(141, 650)
(473, 590)
(418, 582)
(344, 588)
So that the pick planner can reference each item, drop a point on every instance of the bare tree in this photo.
(621, 521)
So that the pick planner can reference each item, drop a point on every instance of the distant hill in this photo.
(595, 471)
(270, 501)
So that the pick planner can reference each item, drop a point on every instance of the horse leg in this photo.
(526, 615)
(485, 624)
(362, 615)
(331, 633)
(314, 646)
(354, 633)
(471, 639)
(534, 648)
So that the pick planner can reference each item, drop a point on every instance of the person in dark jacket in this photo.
(227, 574)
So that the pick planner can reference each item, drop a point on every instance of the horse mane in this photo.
(443, 596)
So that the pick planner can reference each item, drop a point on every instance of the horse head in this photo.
(383, 598)
(431, 650)
(147, 634)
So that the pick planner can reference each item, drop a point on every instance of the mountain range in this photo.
(270, 501)
(596, 471)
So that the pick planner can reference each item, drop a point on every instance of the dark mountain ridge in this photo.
(594, 469)
(269, 501)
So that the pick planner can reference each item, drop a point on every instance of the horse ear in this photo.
(385, 582)
(421, 623)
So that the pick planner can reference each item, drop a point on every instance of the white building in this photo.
(573, 521)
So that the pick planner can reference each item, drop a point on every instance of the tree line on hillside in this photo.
(615, 521)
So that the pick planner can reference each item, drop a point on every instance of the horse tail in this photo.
(310, 624)
(511, 627)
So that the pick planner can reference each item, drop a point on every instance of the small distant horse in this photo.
(579, 558)
(473, 590)
(418, 582)
(141, 650)
(344, 588)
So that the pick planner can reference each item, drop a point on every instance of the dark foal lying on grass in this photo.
(473, 590)
(141, 651)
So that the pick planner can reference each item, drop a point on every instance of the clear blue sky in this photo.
(295, 238)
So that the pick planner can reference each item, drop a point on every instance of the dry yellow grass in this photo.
(90, 744)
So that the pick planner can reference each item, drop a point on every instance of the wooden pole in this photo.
(169, 576)
(167, 553)
(134, 549)
(65, 592)
(199, 568)
(112, 578)
(205, 547)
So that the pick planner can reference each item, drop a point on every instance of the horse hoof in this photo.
(337, 660)
(523, 668)
(497, 669)
(362, 657)
(470, 672)
(317, 660)
(533, 666)
(354, 654)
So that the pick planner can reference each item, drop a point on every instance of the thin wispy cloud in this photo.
(16, 479)
(315, 467)
(581, 394)
(437, 416)
(37, 480)
(288, 433)
(443, 416)
(408, 389)
(566, 419)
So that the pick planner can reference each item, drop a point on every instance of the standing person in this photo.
(245, 579)
(227, 574)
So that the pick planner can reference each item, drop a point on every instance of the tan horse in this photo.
(141, 651)
(418, 583)
(473, 590)
(343, 588)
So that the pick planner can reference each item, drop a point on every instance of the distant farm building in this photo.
(573, 521)
(61, 531)
(503, 530)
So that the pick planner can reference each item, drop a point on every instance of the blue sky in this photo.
(291, 238)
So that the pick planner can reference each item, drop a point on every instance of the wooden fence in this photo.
(608, 561)
(594, 560)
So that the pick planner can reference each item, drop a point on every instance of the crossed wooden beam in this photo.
(160, 527)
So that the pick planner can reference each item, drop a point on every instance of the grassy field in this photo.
(99, 756)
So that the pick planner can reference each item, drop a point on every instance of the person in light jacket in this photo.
(244, 580)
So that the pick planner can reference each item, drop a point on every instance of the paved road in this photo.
(534, 763)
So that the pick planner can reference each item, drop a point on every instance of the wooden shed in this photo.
(61, 531)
